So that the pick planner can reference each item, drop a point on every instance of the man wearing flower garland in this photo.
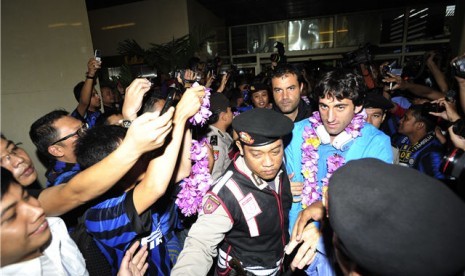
(334, 135)
(244, 216)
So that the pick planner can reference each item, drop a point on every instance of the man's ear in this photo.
(239, 146)
(55, 150)
(420, 125)
(222, 116)
(358, 108)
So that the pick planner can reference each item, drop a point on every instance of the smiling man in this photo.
(55, 135)
(246, 211)
(334, 135)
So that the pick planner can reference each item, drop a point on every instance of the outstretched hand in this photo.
(134, 265)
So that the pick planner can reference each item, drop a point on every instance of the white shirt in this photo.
(62, 256)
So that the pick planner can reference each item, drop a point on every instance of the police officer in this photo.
(244, 216)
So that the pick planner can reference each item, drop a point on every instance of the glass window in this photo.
(261, 38)
(428, 23)
(392, 26)
(311, 34)
(357, 29)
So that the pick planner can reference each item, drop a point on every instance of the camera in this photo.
(362, 55)
(459, 127)
(432, 107)
(458, 67)
(453, 165)
(150, 75)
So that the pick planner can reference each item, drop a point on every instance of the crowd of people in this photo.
(350, 170)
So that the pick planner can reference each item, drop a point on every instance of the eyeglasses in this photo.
(78, 132)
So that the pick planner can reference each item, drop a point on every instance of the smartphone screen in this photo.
(97, 55)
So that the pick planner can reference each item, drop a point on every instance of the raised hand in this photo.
(133, 98)
(149, 131)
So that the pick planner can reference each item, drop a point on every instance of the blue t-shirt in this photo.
(115, 225)
(372, 143)
(89, 118)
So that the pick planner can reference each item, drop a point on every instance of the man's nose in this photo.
(331, 115)
(16, 160)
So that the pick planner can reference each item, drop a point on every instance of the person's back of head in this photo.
(341, 84)
(43, 133)
(395, 220)
(97, 143)
(77, 90)
(152, 101)
(218, 104)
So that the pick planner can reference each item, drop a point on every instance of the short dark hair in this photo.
(42, 132)
(77, 90)
(148, 101)
(286, 68)
(420, 113)
(341, 84)
(97, 143)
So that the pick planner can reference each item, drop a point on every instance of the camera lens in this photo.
(459, 128)
(453, 164)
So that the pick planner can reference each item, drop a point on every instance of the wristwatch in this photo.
(126, 123)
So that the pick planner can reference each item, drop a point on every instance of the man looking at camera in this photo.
(334, 135)
(245, 214)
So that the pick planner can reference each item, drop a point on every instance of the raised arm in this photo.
(416, 89)
(160, 170)
(437, 73)
(86, 93)
(145, 134)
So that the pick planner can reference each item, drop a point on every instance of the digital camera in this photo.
(458, 67)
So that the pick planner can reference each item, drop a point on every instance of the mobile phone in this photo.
(98, 55)
(169, 101)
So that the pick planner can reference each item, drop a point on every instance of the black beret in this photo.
(261, 126)
(218, 103)
(375, 100)
(394, 220)
(257, 87)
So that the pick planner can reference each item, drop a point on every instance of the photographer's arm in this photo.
(437, 73)
(416, 89)
(224, 81)
(86, 93)
(145, 134)
(184, 166)
(160, 170)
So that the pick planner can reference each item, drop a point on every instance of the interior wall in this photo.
(45, 46)
(150, 21)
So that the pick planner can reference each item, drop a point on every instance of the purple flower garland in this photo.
(194, 187)
(311, 191)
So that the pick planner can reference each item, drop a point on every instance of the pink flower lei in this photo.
(204, 112)
(311, 191)
(194, 187)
